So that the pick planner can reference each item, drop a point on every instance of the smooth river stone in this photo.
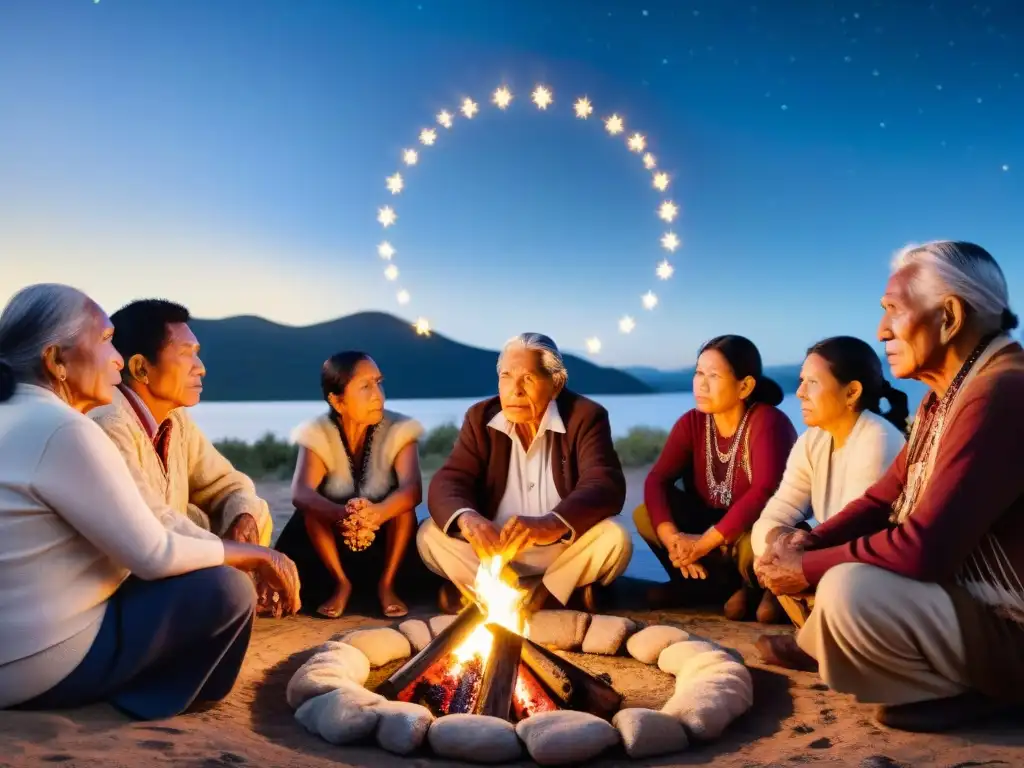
(606, 634)
(566, 737)
(671, 659)
(647, 644)
(417, 633)
(439, 624)
(708, 703)
(381, 646)
(563, 630)
(326, 671)
(648, 733)
(343, 716)
(342, 655)
(474, 739)
(402, 726)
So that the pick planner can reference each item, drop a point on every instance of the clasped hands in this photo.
(360, 523)
(780, 569)
(518, 534)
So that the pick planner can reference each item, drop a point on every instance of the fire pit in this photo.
(485, 686)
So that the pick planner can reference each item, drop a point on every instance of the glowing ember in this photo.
(501, 603)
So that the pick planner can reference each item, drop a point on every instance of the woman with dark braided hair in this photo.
(358, 475)
(848, 446)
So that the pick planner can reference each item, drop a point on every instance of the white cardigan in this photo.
(73, 525)
(819, 482)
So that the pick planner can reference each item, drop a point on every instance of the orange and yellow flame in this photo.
(501, 603)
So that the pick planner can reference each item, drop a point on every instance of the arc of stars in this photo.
(665, 270)
(614, 125)
(650, 163)
(410, 156)
(660, 181)
(395, 184)
(593, 345)
(542, 97)
(627, 324)
(422, 327)
(386, 250)
(637, 142)
(444, 118)
(650, 301)
(391, 272)
(387, 216)
(670, 241)
(583, 108)
(502, 98)
(469, 108)
(667, 211)
(428, 136)
(403, 297)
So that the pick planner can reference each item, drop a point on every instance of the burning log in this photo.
(500, 675)
(570, 686)
(531, 697)
(446, 641)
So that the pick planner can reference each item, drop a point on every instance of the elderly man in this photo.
(178, 470)
(534, 479)
(919, 604)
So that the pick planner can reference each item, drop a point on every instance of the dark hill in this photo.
(250, 358)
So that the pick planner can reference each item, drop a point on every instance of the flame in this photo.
(501, 603)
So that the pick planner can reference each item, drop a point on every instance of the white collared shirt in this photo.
(530, 489)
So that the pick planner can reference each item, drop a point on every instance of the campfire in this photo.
(483, 663)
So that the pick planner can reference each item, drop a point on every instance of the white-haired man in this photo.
(920, 604)
(533, 478)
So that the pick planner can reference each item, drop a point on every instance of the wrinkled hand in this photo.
(682, 552)
(360, 524)
(268, 602)
(278, 572)
(481, 534)
(522, 533)
(779, 541)
(244, 530)
(784, 574)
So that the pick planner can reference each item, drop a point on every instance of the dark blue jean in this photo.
(164, 645)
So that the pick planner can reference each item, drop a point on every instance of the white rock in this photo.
(672, 658)
(343, 716)
(343, 656)
(326, 672)
(381, 645)
(699, 663)
(564, 736)
(417, 633)
(606, 634)
(402, 726)
(707, 705)
(474, 738)
(647, 733)
(440, 623)
(647, 644)
(563, 630)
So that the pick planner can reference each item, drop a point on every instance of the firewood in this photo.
(500, 674)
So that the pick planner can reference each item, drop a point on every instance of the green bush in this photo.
(640, 446)
(272, 459)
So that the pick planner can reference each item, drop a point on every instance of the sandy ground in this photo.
(795, 719)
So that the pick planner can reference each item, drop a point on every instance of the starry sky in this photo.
(233, 155)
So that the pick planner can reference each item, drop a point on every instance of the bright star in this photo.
(614, 125)
(583, 108)
(386, 216)
(422, 327)
(444, 118)
(660, 181)
(403, 296)
(428, 136)
(667, 211)
(469, 108)
(1006, 167)
(542, 97)
(593, 345)
(650, 163)
(636, 142)
(670, 241)
(395, 183)
(391, 272)
(502, 97)
(386, 250)
(650, 300)
(665, 270)
(410, 157)
(627, 324)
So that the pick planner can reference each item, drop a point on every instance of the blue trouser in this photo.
(164, 645)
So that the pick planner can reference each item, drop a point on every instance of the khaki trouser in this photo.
(885, 638)
(797, 607)
(598, 556)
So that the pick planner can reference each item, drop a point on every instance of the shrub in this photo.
(640, 446)
(266, 459)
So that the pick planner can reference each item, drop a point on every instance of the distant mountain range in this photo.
(252, 359)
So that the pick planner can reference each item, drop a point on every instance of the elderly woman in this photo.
(358, 471)
(848, 445)
(100, 601)
(920, 604)
(729, 452)
(534, 480)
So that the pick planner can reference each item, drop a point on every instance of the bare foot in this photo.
(394, 607)
(334, 606)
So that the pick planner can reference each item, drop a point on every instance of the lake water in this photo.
(251, 421)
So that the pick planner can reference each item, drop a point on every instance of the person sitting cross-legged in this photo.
(919, 600)
(534, 479)
(178, 470)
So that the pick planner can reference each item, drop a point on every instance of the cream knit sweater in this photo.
(73, 525)
(198, 482)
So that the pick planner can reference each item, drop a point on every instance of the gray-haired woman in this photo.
(98, 600)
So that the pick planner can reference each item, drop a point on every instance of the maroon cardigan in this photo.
(587, 471)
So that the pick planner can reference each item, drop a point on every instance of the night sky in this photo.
(232, 155)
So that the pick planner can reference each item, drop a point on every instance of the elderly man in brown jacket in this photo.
(533, 478)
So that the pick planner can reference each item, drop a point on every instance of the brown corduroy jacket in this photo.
(588, 474)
